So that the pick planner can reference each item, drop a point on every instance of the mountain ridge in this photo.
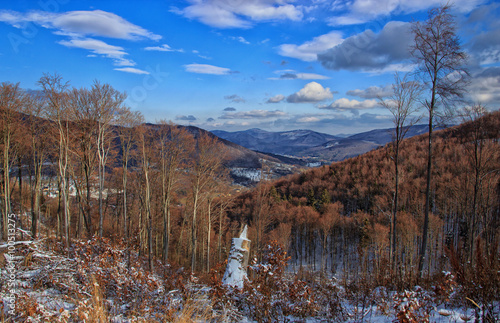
(279, 143)
(313, 145)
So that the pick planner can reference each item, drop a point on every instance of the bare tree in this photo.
(127, 121)
(326, 222)
(260, 216)
(482, 155)
(225, 201)
(55, 91)
(12, 100)
(401, 104)
(206, 169)
(104, 101)
(145, 148)
(176, 144)
(37, 128)
(438, 53)
(85, 134)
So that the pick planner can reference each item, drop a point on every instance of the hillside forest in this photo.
(122, 218)
(77, 164)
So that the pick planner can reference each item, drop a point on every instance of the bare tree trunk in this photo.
(437, 50)
(425, 230)
(209, 225)
(194, 237)
(6, 181)
(219, 238)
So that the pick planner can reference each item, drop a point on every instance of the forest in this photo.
(107, 218)
(81, 164)
(78, 165)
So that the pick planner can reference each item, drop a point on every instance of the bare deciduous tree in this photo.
(85, 133)
(438, 53)
(127, 121)
(12, 100)
(481, 156)
(56, 93)
(401, 104)
(146, 153)
(326, 222)
(176, 144)
(104, 102)
(206, 169)
(37, 128)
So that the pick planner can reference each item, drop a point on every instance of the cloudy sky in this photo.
(239, 64)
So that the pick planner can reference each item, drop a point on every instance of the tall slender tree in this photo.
(481, 155)
(56, 94)
(37, 128)
(401, 104)
(206, 169)
(85, 133)
(146, 146)
(437, 51)
(175, 146)
(105, 102)
(12, 100)
(127, 121)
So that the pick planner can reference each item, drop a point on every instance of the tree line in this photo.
(403, 208)
(394, 214)
(337, 218)
(77, 163)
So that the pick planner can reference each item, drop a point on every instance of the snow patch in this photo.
(236, 270)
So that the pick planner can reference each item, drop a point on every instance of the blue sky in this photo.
(238, 64)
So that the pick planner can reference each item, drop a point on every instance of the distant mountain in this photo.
(244, 164)
(337, 150)
(354, 145)
(311, 145)
(279, 143)
(384, 136)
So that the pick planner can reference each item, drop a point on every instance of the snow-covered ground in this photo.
(95, 280)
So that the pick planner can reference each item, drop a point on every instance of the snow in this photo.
(314, 164)
(235, 274)
(55, 287)
(332, 144)
(253, 174)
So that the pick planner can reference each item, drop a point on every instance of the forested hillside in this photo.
(337, 218)
(78, 163)
(89, 192)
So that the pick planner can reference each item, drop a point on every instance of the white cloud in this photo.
(239, 14)
(207, 69)
(186, 118)
(308, 119)
(344, 104)
(131, 70)
(484, 46)
(241, 40)
(372, 92)
(312, 92)
(309, 50)
(254, 114)
(361, 11)
(387, 50)
(81, 24)
(234, 98)
(81, 28)
(100, 48)
(276, 99)
(311, 76)
(292, 75)
(485, 87)
(163, 48)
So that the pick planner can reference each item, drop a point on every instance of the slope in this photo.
(280, 143)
